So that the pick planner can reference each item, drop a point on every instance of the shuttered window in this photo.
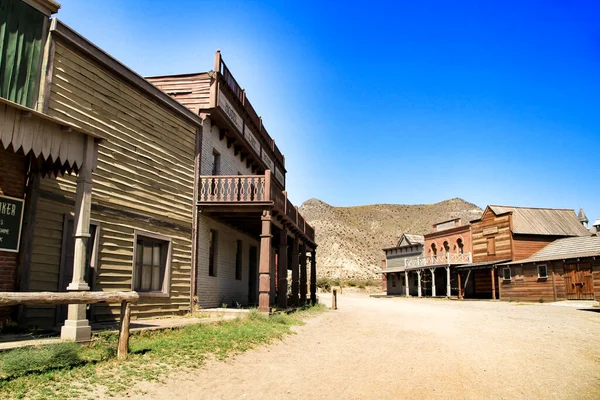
(151, 264)
(21, 32)
(491, 246)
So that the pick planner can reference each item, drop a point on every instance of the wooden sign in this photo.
(446, 225)
(280, 177)
(265, 157)
(251, 139)
(231, 113)
(490, 231)
(11, 222)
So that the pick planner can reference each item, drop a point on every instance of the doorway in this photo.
(579, 283)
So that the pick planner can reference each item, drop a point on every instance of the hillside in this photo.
(350, 239)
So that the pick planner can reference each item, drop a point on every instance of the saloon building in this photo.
(108, 183)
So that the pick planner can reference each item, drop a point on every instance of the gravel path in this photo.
(396, 348)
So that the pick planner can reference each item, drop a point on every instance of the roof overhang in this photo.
(481, 265)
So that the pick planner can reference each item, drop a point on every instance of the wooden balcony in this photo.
(238, 200)
(439, 260)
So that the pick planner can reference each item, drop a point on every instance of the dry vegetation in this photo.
(351, 238)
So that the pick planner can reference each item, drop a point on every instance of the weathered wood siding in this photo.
(144, 182)
(491, 226)
(193, 91)
(525, 246)
(526, 286)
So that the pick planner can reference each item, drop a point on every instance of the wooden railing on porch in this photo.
(440, 259)
(248, 189)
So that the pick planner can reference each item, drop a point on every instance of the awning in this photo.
(391, 270)
(481, 265)
(25, 129)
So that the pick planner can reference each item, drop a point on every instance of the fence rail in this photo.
(440, 259)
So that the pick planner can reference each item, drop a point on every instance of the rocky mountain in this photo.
(351, 239)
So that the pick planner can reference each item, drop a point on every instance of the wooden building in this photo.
(566, 269)
(504, 234)
(185, 209)
(409, 248)
(249, 233)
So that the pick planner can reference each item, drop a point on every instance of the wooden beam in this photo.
(123, 347)
(56, 298)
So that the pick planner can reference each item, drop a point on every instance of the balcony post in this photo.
(432, 282)
(268, 196)
(313, 276)
(448, 281)
(406, 283)
(264, 269)
(419, 283)
(282, 269)
(493, 283)
(217, 67)
(295, 272)
(303, 277)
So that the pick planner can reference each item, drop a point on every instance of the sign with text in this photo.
(267, 160)
(250, 138)
(233, 115)
(490, 231)
(11, 222)
(279, 176)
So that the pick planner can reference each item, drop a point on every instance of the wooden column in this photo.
(295, 272)
(282, 270)
(433, 293)
(264, 267)
(553, 282)
(448, 286)
(460, 293)
(419, 283)
(76, 326)
(493, 283)
(406, 283)
(303, 277)
(313, 276)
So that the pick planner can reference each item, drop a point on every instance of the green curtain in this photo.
(21, 29)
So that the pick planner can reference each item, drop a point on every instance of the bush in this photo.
(324, 284)
(35, 359)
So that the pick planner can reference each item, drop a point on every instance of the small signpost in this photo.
(11, 223)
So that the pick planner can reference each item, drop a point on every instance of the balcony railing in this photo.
(249, 189)
(441, 259)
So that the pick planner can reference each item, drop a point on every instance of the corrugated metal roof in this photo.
(567, 248)
(543, 221)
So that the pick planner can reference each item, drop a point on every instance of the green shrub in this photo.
(324, 284)
(35, 359)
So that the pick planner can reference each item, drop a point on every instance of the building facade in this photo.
(408, 249)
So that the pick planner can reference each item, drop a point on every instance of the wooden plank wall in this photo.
(526, 245)
(596, 277)
(145, 168)
(193, 91)
(526, 286)
(489, 221)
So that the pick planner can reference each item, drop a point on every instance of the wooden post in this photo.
(419, 283)
(406, 283)
(123, 348)
(264, 268)
(553, 282)
(313, 276)
(433, 293)
(448, 287)
(295, 272)
(282, 270)
(268, 196)
(334, 299)
(460, 293)
(303, 280)
(493, 284)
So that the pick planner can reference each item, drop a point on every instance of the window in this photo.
(446, 247)
(542, 271)
(216, 168)
(434, 249)
(152, 260)
(212, 252)
(461, 246)
(238, 261)
(506, 274)
(491, 246)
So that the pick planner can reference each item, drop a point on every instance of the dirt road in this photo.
(396, 348)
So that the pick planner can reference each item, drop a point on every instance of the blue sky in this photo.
(496, 102)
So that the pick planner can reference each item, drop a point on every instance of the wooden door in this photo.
(579, 283)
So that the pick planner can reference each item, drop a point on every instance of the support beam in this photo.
(493, 270)
(448, 287)
(313, 276)
(264, 268)
(406, 283)
(282, 270)
(460, 293)
(76, 326)
(432, 282)
(303, 277)
(419, 283)
(295, 272)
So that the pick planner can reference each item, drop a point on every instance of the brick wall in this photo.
(12, 183)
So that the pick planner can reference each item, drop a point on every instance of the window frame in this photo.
(166, 284)
(504, 274)
(538, 271)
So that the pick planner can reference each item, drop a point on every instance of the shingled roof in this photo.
(566, 248)
(543, 221)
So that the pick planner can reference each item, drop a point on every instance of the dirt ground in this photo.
(397, 348)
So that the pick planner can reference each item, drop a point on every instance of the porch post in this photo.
(448, 281)
(282, 270)
(313, 276)
(295, 272)
(432, 282)
(493, 284)
(406, 283)
(76, 326)
(419, 284)
(303, 277)
(264, 268)
(460, 293)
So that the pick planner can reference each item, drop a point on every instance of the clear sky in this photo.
(496, 102)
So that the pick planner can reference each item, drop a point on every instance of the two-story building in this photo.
(504, 234)
(408, 248)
